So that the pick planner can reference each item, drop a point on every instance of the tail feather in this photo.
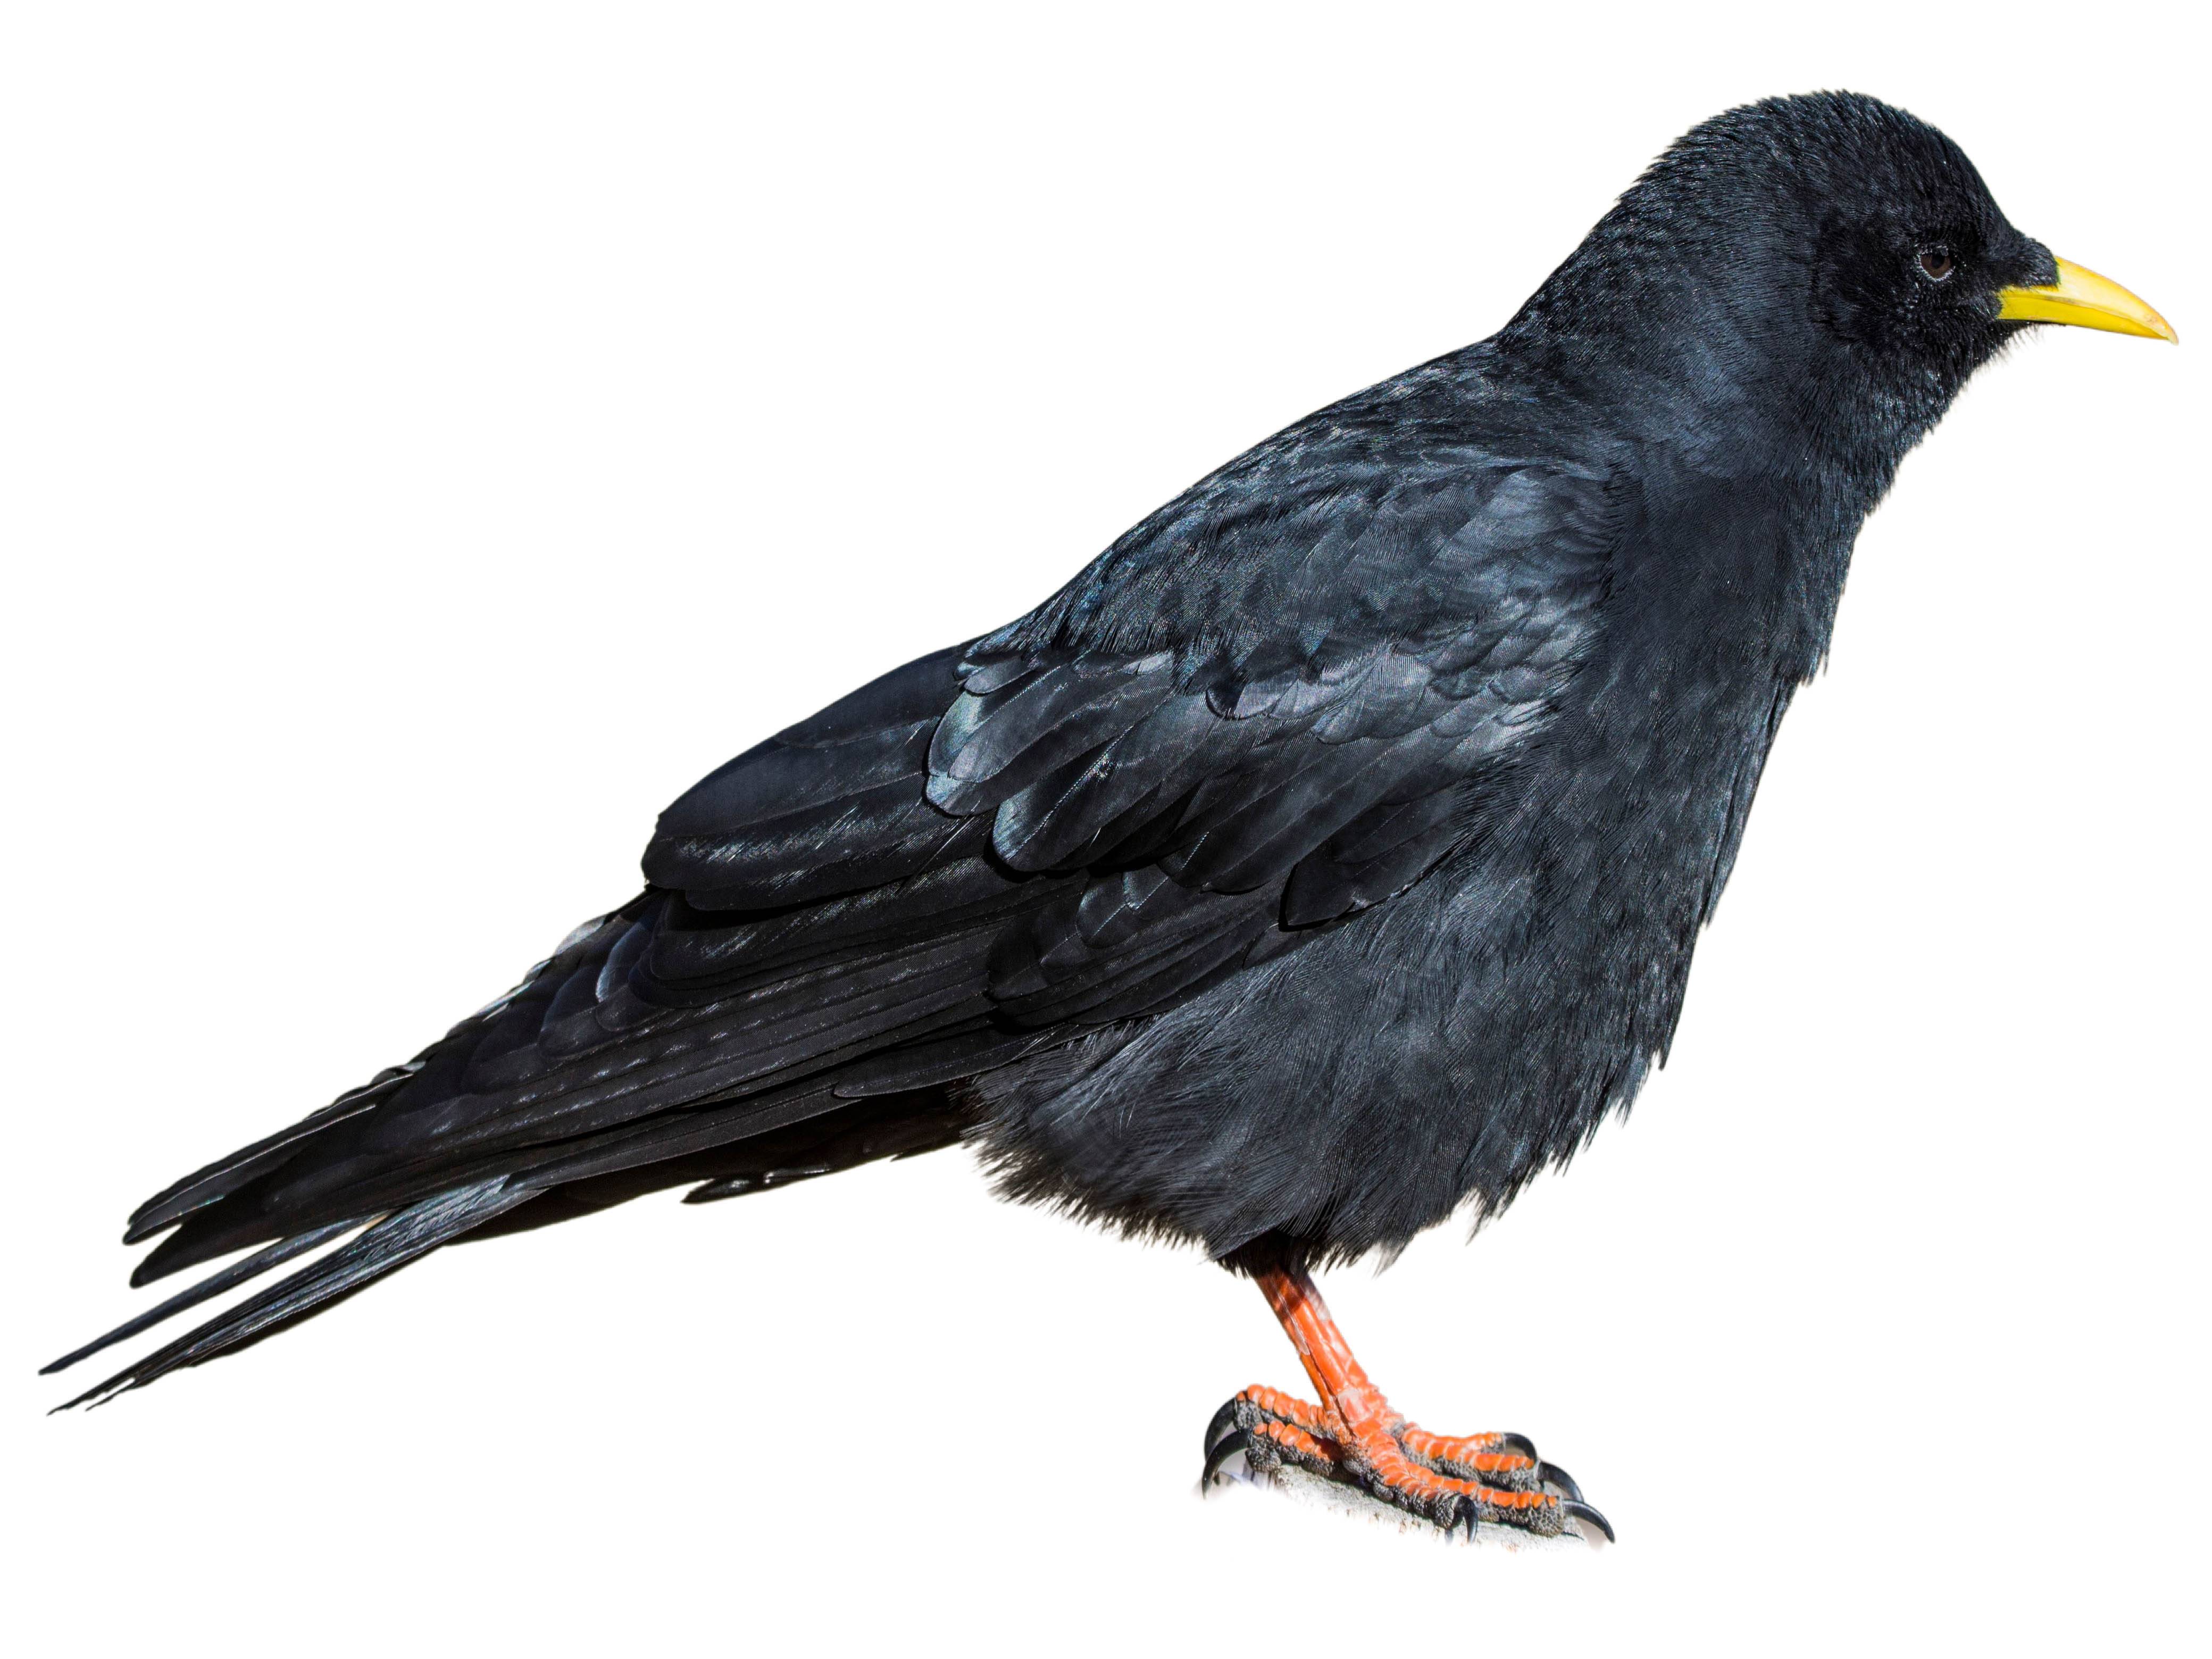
(214, 1285)
(391, 1242)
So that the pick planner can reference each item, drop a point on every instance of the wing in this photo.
(1277, 702)
(1303, 734)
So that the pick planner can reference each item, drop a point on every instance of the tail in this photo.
(899, 1125)
(387, 1243)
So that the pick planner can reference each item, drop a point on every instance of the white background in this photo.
(436, 436)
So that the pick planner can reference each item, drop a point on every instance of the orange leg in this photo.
(1354, 1435)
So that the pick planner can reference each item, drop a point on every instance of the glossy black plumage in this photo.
(1328, 854)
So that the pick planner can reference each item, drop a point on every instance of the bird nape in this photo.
(1327, 856)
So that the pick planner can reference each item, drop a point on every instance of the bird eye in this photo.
(1936, 263)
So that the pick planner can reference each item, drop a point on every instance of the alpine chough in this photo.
(1327, 856)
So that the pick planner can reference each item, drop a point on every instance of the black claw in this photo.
(1574, 1510)
(1232, 1445)
(1468, 1511)
(1551, 1474)
(1519, 1442)
(1224, 1421)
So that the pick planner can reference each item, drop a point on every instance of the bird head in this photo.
(1827, 257)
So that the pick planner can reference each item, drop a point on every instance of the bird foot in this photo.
(1449, 1480)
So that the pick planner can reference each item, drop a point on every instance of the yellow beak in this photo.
(2081, 297)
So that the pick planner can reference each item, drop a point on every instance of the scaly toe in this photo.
(1483, 1459)
(1265, 1446)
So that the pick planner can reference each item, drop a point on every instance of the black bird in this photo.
(1327, 856)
